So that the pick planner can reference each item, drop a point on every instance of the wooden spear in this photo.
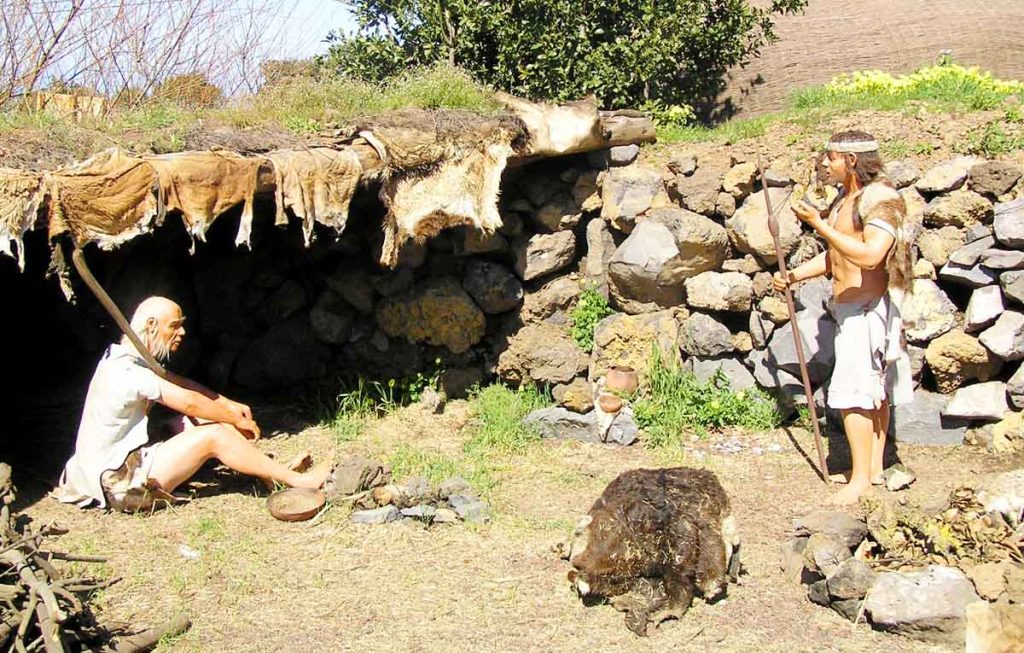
(773, 228)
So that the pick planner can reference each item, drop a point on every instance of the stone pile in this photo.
(377, 499)
(915, 571)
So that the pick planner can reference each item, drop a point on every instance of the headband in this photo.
(852, 146)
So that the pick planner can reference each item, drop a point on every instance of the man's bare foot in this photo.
(850, 494)
(316, 476)
(843, 478)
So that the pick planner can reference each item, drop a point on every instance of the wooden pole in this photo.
(773, 228)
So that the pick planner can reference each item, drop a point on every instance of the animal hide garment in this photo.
(203, 185)
(20, 195)
(316, 184)
(457, 192)
(109, 198)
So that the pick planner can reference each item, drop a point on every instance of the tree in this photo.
(627, 52)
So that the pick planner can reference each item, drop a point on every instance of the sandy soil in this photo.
(257, 584)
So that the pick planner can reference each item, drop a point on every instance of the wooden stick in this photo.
(773, 228)
(50, 630)
(26, 618)
(78, 258)
(147, 639)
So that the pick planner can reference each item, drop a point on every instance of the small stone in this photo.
(682, 164)
(698, 191)
(702, 335)
(947, 176)
(475, 512)
(376, 516)
(985, 307)
(760, 330)
(851, 580)
(1005, 338)
(560, 423)
(1012, 283)
(994, 177)
(793, 558)
(847, 528)
(748, 227)
(936, 245)
(1002, 259)
(984, 401)
(927, 312)
(445, 516)
(921, 422)
(623, 155)
(577, 395)
(924, 269)
(1015, 388)
(902, 173)
(961, 208)
(929, 604)
(735, 372)
(543, 254)
(898, 477)
(719, 291)
(970, 253)
(558, 213)
(742, 342)
(747, 265)
(762, 284)
(971, 276)
(492, 286)
(478, 242)
(623, 429)
(994, 628)
(817, 593)
(416, 488)
(725, 205)
(956, 357)
(825, 552)
(454, 485)
(739, 180)
(989, 579)
(1009, 223)
(422, 512)
(777, 178)
(432, 401)
(627, 193)
(774, 309)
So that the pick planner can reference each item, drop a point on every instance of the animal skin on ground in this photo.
(653, 540)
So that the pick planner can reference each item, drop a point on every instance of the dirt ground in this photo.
(250, 583)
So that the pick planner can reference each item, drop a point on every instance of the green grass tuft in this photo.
(498, 418)
(675, 401)
(590, 309)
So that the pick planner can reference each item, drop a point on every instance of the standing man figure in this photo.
(114, 463)
(869, 261)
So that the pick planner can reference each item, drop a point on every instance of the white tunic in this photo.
(113, 423)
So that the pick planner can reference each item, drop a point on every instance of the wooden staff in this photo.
(773, 228)
(78, 258)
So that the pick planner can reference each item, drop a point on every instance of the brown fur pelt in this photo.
(653, 540)
(880, 201)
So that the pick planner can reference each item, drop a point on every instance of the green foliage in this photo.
(625, 52)
(590, 308)
(498, 418)
(675, 400)
(991, 140)
(945, 84)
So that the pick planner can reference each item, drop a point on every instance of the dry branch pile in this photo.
(40, 607)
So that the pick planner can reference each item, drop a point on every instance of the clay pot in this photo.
(609, 403)
(622, 380)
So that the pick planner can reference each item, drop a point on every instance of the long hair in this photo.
(870, 169)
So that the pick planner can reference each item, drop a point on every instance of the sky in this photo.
(308, 24)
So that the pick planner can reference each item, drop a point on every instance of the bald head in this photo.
(159, 323)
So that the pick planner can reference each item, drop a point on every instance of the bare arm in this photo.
(189, 384)
(197, 404)
(867, 253)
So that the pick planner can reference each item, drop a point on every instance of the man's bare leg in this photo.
(180, 457)
(860, 433)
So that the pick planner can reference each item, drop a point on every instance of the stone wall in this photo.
(677, 243)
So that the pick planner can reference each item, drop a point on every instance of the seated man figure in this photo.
(114, 463)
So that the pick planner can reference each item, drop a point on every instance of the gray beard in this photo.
(161, 351)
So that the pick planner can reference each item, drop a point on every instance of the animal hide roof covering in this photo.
(439, 169)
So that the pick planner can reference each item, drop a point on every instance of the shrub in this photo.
(192, 90)
(588, 311)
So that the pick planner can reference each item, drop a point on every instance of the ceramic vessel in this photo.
(609, 403)
(621, 379)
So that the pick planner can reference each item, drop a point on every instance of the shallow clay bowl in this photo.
(295, 504)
